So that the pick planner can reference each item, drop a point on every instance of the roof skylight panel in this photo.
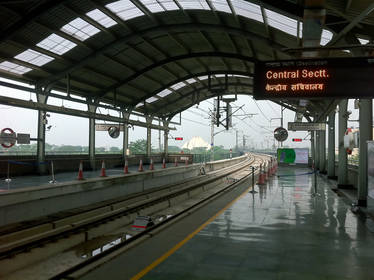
(326, 37)
(248, 10)
(221, 5)
(194, 4)
(151, 99)
(164, 93)
(363, 41)
(14, 68)
(139, 105)
(191, 81)
(80, 29)
(153, 6)
(125, 9)
(56, 44)
(201, 78)
(178, 85)
(101, 18)
(281, 22)
(34, 57)
(169, 5)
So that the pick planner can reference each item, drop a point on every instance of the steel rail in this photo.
(92, 261)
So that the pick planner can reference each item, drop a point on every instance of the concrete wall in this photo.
(65, 163)
(31, 203)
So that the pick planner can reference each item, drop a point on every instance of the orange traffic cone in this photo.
(141, 166)
(175, 162)
(151, 166)
(80, 172)
(261, 177)
(126, 168)
(103, 173)
(163, 163)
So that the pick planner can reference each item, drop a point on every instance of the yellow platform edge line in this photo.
(181, 243)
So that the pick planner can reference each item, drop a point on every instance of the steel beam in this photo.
(149, 136)
(91, 137)
(42, 119)
(71, 112)
(366, 134)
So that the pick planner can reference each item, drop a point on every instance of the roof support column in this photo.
(91, 137)
(342, 164)
(41, 97)
(166, 138)
(312, 146)
(317, 150)
(322, 150)
(125, 143)
(149, 136)
(331, 147)
(366, 134)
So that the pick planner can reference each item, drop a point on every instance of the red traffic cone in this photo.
(126, 168)
(163, 163)
(261, 177)
(80, 172)
(103, 173)
(140, 169)
(151, 166)
(175, 162)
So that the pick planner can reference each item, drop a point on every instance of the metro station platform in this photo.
(281, 232)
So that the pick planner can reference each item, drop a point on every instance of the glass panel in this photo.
(80, 29)
(14, 68)
(194, 4)
(34, 57)
(56, 44)
(164, 93)
(363, 41)
(248, 10)
(151, 99)
(221, 5)
(178, 85)
(282, 22)
(101, 18)
(125, 9)
(326, 37)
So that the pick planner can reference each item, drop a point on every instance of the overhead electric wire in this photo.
(183, 118)
(262, 113)
(268, 102)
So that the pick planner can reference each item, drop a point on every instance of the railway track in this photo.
(125, 210)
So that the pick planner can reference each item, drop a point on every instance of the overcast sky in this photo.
(68, 130)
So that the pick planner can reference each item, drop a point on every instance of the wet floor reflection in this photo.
(280, 232)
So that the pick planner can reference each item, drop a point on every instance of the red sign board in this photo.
(297, 139)
(178, 138)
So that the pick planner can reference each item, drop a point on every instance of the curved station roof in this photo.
(160, 57)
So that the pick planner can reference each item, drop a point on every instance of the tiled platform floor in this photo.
(282, 232)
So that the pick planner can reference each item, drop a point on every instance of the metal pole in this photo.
(8, 180)
(252, 191)
(281, 143)
(53, 181)
(212, 136)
